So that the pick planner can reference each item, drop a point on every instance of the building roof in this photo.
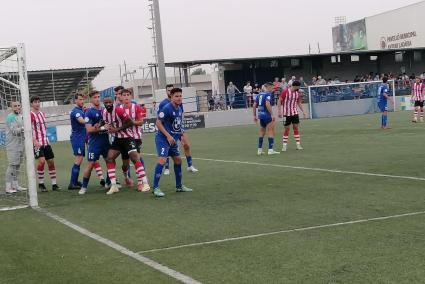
(189, 63)
(60, 84)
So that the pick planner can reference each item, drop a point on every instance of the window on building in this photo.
(355, 58)
(399, 56)
(373, 58)
(417, 56)
(295, 62)
(336, 59)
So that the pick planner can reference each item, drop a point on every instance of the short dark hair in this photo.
(296, 84)
(92, 93)
(118, 88)
(126, 91)
(77, 95)
(385, 79)
(34, 98)
(176, 90)
(169, 86)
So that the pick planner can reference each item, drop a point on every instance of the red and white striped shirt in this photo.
(135, 112)
(39, 130)
(418, 91)
(117, 119)
(290, 102)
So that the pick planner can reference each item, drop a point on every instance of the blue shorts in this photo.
(164, 149)
(265, 122)
(383, 107)
(95, 151)
(78, 147)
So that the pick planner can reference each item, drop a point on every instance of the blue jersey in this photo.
(93, 117)
(172, 119)
(78, 129)
(261, 99)
(382, 90)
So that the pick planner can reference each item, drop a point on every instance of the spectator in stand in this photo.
(422, 76)
(248, 93)
(231, 93)
(314, 81)
(293, 78)
(336, 80)
(256, 90)
(320, 81)
(303, 83)
(283, 85)
(376, 77)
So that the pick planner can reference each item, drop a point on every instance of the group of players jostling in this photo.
(111, 128)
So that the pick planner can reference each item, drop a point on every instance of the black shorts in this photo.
(44, 152)
(295, 119)
(419, 103)
(125, 146)
(138, 144)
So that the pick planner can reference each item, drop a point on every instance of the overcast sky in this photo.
(80, 33)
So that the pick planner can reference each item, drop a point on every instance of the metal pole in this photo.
(53, 87)
(310, 102)
(26, 110)
(159, 46)
(152, 82)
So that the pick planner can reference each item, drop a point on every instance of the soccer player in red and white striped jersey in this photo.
(418, 95)
(42, 150)
(137, 114)
(119, 124)
(291, 100)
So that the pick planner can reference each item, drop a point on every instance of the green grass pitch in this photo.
(234, 200)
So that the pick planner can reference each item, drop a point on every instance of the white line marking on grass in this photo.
(155, 265)
(306, 168)
(284, 232)
(13, 208)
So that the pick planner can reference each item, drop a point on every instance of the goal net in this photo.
(345, 99)
(17, 175)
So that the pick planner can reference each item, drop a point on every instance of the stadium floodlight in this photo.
(14, 88)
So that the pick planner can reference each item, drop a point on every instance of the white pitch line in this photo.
(13, 208)
(306, 168)
(284, 232)
(149, 262)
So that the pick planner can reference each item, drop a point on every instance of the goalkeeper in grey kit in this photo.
(14, 147)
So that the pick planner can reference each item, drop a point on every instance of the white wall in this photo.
(389, 27)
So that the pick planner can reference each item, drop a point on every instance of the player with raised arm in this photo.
(418, 89)
(291, 100)
(119, 124)
(184, 139)
(263, 103)
(383, 98)
(42, 150)
(170, 130)
(78, 136)
(98, 140)
(14, 147)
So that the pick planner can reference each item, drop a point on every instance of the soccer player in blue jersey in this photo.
(264, 102)
(78, 136)
(98, 137)
(184, 139)
(383, 98)
(170, 131)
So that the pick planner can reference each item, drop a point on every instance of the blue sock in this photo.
(86, 182)
(271, 143)
(75, 172)
(260, 142)
(178, 173)
(167, 164)
(382, 120)
(158, 173)
(385, 120)
(189, 161)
